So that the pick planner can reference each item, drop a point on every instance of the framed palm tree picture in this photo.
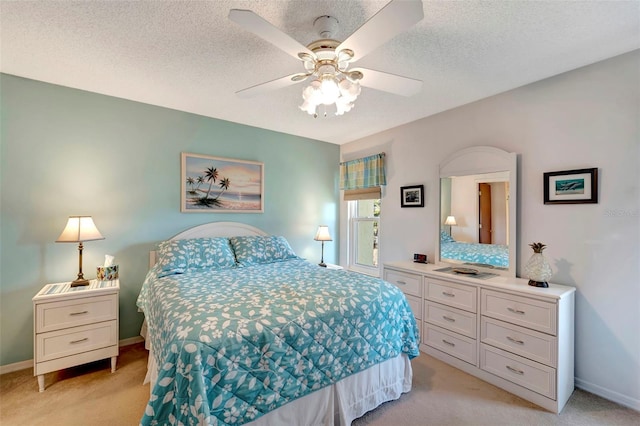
(220, 185)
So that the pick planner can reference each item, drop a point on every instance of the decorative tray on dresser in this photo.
(515, 336)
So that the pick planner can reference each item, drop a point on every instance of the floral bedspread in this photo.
(485, 254)
(234, 344)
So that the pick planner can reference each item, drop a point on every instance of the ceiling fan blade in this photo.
(276, 84)
(396, 17)
(257, 25)
(390, 83)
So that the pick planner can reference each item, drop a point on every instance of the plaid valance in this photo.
(367, 172)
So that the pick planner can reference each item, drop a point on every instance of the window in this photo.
(363, 245)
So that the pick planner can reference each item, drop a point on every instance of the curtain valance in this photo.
(367, 172)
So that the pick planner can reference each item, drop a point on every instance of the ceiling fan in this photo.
(327, 61)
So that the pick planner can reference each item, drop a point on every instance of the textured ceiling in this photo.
(189, 56)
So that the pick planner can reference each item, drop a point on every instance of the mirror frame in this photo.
(480, 160)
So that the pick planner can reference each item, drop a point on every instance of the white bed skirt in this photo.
(336, 405)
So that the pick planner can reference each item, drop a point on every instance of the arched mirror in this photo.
(477, 221)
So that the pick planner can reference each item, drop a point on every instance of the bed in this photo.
(491, 255)
(243, 331)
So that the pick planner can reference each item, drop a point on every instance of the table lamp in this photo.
(451, 221)
(78, 230)
(323, 235)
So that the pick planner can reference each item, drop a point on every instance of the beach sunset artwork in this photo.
(223, 185)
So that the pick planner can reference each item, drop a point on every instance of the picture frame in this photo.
(412, 196)
(211, 184)
(578, 186)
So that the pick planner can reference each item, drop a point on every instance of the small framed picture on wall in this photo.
(412, 196)
(571, 186)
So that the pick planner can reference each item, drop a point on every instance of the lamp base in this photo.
(543, 284)
(324, 265)
(79, 283)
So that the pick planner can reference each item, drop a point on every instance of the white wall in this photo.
(585, 118)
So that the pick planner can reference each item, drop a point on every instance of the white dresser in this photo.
(515, 336)
(74, 325)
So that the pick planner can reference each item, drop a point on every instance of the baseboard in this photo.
(131, 341)
(22, 365)
(10, 368)
(605, 393)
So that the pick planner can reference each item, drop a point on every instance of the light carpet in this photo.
(442, 395)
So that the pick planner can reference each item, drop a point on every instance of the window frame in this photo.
(352, 224)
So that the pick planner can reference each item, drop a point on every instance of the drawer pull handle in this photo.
(511, 339)
(446, 342)
(515, 311)
(448, 294)
(515, 370)
(78, 341)
(79, 313)
(446, 318)
(401, 282)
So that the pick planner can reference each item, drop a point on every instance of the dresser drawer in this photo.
(454, 344)
(453, 319)
(61, 343)
(408, 283)
(458, 296)
(416, 306)
(74, 312)
(530, 344)
(531, 313)
(532, 375)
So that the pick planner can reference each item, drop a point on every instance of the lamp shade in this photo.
(78, 229)
(451, 221)
(323, 234)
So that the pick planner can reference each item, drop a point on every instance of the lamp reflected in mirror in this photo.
(451, 221)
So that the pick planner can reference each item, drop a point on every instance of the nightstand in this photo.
(74, 325)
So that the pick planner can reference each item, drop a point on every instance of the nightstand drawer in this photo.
(61, 343)
(453, 319)
(531, 313)
(519, 340)
(532, 375)
(458, 296)
(408, 283)
(454, 344)
(71, 313)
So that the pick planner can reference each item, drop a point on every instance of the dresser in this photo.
(515, 336)
(74, 325)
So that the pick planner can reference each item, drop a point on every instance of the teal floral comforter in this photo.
(233, 344)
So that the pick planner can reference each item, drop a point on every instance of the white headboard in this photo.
(210, 230)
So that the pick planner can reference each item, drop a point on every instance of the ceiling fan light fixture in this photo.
(349, 90)
(328, 90)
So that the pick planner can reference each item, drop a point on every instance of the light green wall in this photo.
(66, 152)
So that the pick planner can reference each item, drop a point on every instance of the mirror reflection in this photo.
(474, 218)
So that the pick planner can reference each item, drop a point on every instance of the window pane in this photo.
(365, 208)
(366, 248)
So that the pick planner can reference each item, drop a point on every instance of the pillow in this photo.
(178, 256)
(446, 238)
(173, 257)
(208, 253)
(255, 250)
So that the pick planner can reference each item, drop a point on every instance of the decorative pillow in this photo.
(178, 256)
(254, 250)
(208, 253)
(446, 238)
(173, 257)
